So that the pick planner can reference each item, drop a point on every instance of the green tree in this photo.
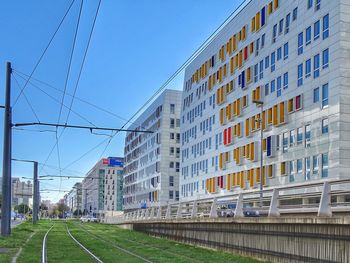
(22, 208)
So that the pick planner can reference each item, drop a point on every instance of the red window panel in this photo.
(246, 53)
(221, 181)
(218, 180)
(225, 136)
(229, 135)
(298, 102)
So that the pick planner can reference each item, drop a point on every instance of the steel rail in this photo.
(43, 247)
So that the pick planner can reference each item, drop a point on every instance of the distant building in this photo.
(22, 192)
(74, 198)
(102, 187)
(152, 160)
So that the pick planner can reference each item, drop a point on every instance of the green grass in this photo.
(102, 240)
(154, 249)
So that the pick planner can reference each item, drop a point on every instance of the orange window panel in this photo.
(269, 116)
(252, 151)
(252, 120)
(237, 61)
(251, 48)
(275, 4)
(221, 161)
(233, 179)
(249, 75)
(247, 129)
(243, 151)
(220, 74)
(258, 121)
(269, 171)
(209, 83)
(243, 33)
(240, 35)
(258, 93)
(227, 157)
(282, 112)
(240, 58)
(290, 105)
(229, 182)
(235, 108)
(231, 86)
(218, 100)
(234, 43)
(225, 71)
(222, 94)
(270, 10)
(253, 24)
(239, 129)
(257, 18)
(264, 120)
(230, 46)
(275, 115)
(253, 95)
(247, 151)
(248, 175)
(244, 101)
(242, 180)
(251, 179)
(231, 66)
(283, 168)
(222, 116)
(264, 144)
(238, 107)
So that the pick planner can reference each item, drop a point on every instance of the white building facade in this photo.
(152, 160)
(294, 57)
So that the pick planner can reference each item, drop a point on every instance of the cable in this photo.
(82, 64)
(42, 55)
(26, 98)
(30, 130)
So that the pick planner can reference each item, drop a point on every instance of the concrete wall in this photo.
(275, 240)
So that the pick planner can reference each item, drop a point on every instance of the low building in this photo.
(22, 192)
(74, 199)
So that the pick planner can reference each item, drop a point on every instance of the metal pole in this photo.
(6, 165)
(35, 194)
(261, 156)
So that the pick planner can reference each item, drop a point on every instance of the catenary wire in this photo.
(46, 48)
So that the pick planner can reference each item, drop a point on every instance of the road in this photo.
(14, 223)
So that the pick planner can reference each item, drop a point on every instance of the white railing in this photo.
(248, 200)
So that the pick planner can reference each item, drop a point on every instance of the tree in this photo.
(22, 208)
(77, 212)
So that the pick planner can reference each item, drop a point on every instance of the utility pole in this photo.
(35, 194)
(6, 165)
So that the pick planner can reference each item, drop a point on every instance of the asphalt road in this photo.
(14, 223)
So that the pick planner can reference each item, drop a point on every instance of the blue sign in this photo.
(115, 162)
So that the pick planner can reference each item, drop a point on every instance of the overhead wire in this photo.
(44, 52)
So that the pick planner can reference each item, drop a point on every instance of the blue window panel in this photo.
(273, 86)
(243, 79)
(261, 67)
(317, 28)
(239, 79)
(316, 95)
(286, 30)
(280, 26)
(308, 35)
(268, 146)
(274, 33)
(325, 58)
(256, 72)
(267, 89)
(279, 53)
(300, 43)
(263, 16)
(325, 95)
(263, 40)
(285, 51)
(317, 5)
(325, 25)
(279, 86)
(285, 80)
(317, 66)
(295, 13)
(300, 75)
(308, 68)
(273, 61)
(267, 62)
(309, 3)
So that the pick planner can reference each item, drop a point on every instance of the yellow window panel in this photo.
(251, 179)
(258, 121)
(234, 43)
(242, 179)
(231, 86)
(238, 107)
(209, 83)
(269, 171)
(221, 161)
(275, 115)
(240, 35)
(257, 173)
(282, 113)
(248, 175)
(231, 66)
(247, 151)
(253, 95)
(252, 120)
(229, 182)
(251, 48)
(252, 151)
(225, 71)
(222, 116)
(244, 101)
(222, 95)
(264, 120)
(243, 152)
(243, 33)
(264, 144)
(290, 105)
(227, 157)
(257, 18)
(240, 59)
(253, 24)
(275, 4)
(233, 179)
(247, 129)
(283, 168)
(230, 46)
(218, 100)
(270, 10)
(235, 108)
(258, 93)
(239, 129)
(269, 116)
(249, 75)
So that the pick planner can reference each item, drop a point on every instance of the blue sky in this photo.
(136, 46)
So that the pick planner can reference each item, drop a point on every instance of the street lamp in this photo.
(261, 104)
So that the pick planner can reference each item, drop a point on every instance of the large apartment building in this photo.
(290, 55)
(152, 160)
(102, 188)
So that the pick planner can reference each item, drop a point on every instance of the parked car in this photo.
(85, 219)
(251, 213)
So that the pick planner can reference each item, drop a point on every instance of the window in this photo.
(273, 86)
(307, 168)
(316, 66)
(315, 164)
(171, 180)
(285, 80)
(285, 51)
(172, 136)
(274, 33)
(317, 30)
(325, 58)
(257, 47)
(308, 36)
(295, 13)
(325, 25)
(291, 138)
(300, 75)
(300, 43)
(273, 61)
(291, 171)
(286, 30)
(285, 142)
(300, 135)
(171, 165)
(261, 67)
(324, 126)
(263, 40)
(280, 27)
(172, 123)
(324, 171)
(308, 68)
(298, 102)
(256, 73)
(177, 167)
(172, 150)
(279, 53)
(307, 135)
(309, 4)
(267, 89)
(299, 166)
(172, 108)
(318, 5)
(171, 194)
(178, 122)
(316, 95)
(267, 62)
(279, 86)
(324, 96)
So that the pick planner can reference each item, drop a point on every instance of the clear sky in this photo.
(136, 46)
